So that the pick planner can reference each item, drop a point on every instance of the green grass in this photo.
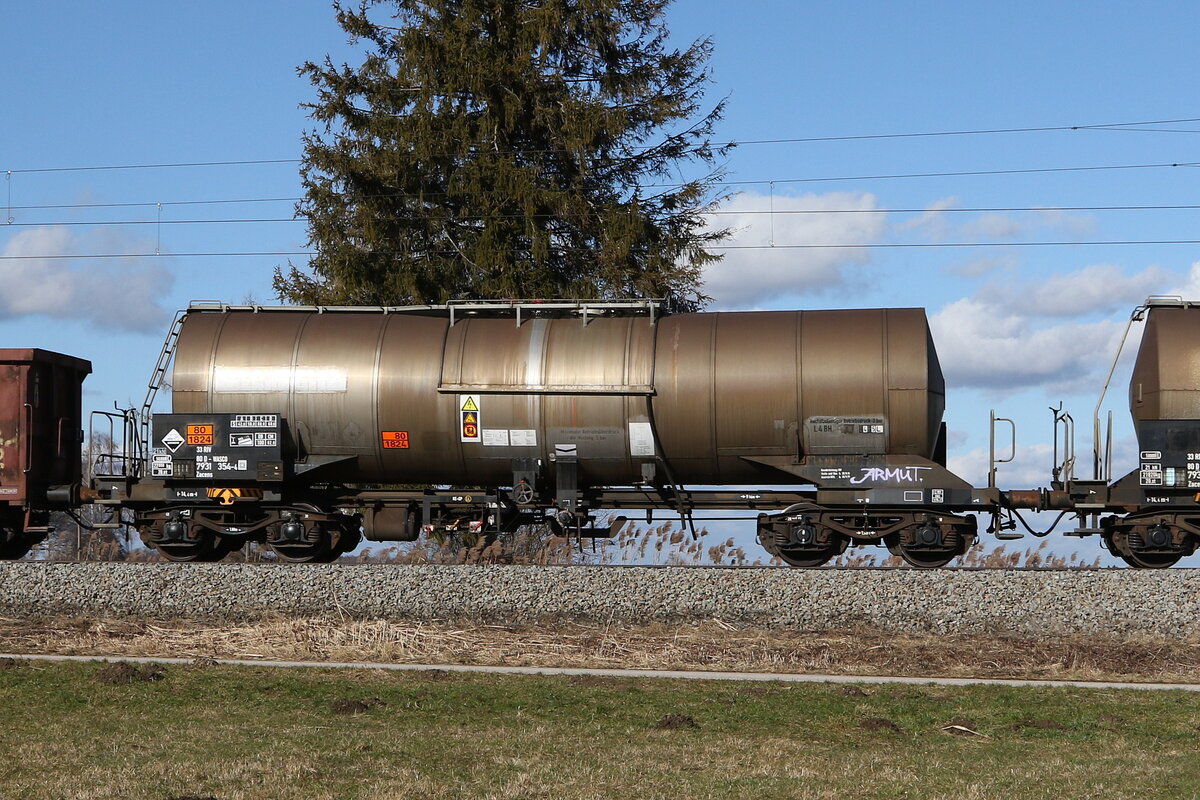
(234, 733)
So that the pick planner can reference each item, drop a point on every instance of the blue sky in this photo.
(1019, 327)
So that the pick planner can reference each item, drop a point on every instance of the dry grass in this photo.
(668, 545)
(709, 646)
(662, 544)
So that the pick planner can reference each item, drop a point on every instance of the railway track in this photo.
(1081, 601)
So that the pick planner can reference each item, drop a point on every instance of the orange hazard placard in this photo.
(199, 434)
(394, 440)
(469, 418)
(470, 425)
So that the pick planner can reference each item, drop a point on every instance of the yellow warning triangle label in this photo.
(469, 419)
(469, 405)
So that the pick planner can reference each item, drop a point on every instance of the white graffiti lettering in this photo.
(890, 475)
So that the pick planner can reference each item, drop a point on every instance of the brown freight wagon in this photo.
(40, 439)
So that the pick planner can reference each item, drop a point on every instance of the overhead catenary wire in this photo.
(1109, 126)
(740, 212)
(169, 165)
(1151, 130)
(826, 246)
(152, 204)
(956, 174)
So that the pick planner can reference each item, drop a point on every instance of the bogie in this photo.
(1148, 544)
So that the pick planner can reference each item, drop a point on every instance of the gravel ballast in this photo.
(1160, 602)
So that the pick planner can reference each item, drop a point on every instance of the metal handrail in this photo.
(125, 462)
(586, 309)
(1064, 470)
(992, 460)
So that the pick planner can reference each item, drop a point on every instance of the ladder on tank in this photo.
(158, 377)
(123, 458)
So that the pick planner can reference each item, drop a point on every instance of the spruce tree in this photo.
(508, 149)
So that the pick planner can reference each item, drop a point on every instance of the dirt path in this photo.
(608, 674)
(712, 646)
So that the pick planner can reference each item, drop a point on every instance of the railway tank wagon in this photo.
(1156, 519)
(292, 425)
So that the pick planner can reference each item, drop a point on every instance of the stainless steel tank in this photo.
(429, 397)
(1166, 374)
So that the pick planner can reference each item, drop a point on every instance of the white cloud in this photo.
(1190, 288)
(993, 227)
(984, 344)
(998, 339)
(1066, 222)
(119, 293)
(745, 278)
(1029, 469)
(984, 265)
(955, 439)
(934, 222)
(1032, 464)
(1100, 287)
(938, 225)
